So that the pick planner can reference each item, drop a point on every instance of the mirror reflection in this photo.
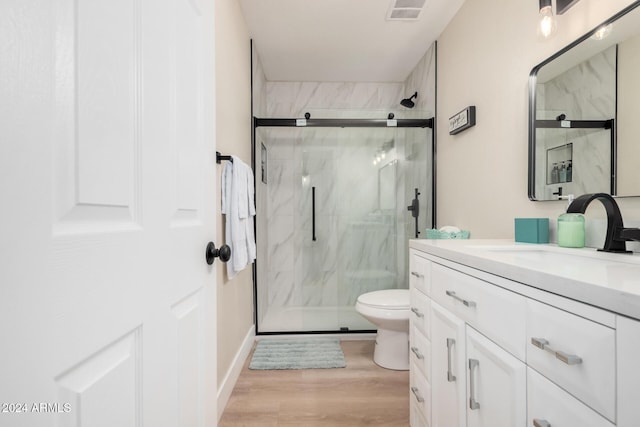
(583, 101)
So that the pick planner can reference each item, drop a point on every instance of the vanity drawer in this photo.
(420, 312)
(419, 393)
(420, 351)
(419, 273)
(496, 312)
(549, 405)
(575, 353)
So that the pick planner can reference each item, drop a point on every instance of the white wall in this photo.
(233, 136)
(484, 58)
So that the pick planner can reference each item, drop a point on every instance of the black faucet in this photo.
(617, 235)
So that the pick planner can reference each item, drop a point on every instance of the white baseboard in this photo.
(224, 392)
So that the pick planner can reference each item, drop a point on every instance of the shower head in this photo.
(407, 102)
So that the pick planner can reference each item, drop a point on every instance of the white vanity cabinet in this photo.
(495, 352)
(420, 353)
(471, 380)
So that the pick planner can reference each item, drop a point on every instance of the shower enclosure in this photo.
(333, 222)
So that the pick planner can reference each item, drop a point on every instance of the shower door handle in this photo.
(414, 208)
(313, 213)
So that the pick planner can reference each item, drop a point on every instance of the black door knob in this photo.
(211, 253)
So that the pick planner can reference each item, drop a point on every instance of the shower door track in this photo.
(336, 123)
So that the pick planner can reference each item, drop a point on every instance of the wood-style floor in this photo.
(362, 394)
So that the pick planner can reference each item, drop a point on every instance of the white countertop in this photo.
(605, 280)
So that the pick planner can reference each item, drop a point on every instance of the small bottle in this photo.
(554, 174)
(571, 230)
(562, 174)
(569, 171)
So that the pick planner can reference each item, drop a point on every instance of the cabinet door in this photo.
(447, 368)
(496, 384)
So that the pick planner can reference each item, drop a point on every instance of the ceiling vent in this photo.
(405, 10)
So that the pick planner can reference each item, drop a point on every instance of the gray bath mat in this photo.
(307, 353)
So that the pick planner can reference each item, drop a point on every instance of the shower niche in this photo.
(332, 220)
(560, 164)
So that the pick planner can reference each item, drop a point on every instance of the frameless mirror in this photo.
(582, 104)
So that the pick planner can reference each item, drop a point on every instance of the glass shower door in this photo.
(332, 221)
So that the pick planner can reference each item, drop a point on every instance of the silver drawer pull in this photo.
(468, 303)
(417, 312)
(569, 359)
(417, 352)
(418, 275)
(473, 403)
(541, 423)
(450, 377)
(416, 393)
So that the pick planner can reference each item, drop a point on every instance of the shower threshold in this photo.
(313, 319)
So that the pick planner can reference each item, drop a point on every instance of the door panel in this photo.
(188, 317)
(97, 128)
(108, 172)
(186, 132)
(90, 386)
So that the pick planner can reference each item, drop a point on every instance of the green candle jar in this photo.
(571, 230)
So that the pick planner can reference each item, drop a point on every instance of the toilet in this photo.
(389, 311)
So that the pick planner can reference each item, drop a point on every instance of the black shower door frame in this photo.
(335, 123)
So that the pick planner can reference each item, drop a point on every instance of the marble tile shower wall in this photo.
(355, 248)
(586, 91)
(423, 80)
(332, 99)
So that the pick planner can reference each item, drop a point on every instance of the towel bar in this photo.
(220, 157)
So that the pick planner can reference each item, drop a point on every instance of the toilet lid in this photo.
(390, 299)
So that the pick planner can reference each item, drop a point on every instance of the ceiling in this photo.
(342, 40)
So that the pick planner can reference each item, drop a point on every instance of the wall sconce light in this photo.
(547, 25)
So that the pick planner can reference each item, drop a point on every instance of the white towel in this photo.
(239, 209)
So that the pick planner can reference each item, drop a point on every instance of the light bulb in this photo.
(602, 32)
(548, 25)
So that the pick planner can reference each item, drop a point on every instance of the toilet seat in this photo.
(387, 299)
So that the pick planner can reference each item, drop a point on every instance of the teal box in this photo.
(532, 230)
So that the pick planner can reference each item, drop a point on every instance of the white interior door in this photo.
(107, 307)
